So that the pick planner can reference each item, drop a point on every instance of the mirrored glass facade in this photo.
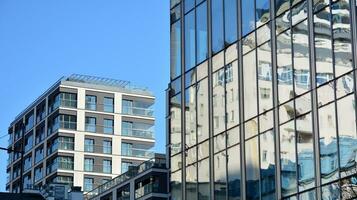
(261, 102)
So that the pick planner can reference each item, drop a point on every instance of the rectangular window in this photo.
(91, 124)
(68, 100)
(250, 86)
(175, 50)
(248, 17)
(66, 143)
(89, 145)
(125, 166)
(107, 166)
(190, 46)
(88, 164)
(108, 104)
(201, 32)
(68, 122)
(107, 147)
(217, 26)
(252, 168)
(108, 126)
(230, 21)
(91, 102)
(88, 184)
(234, 173)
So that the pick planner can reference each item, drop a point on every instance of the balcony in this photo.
(68, 103)
(138, 111)
(64, 145)
(141, 133)
(140, 153)
(146, 189)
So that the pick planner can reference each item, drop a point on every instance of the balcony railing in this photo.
(59, 165)
(141, 133)
(138, 111)
(146, 189)
(65, 145)
(68, 103)
(141, 153)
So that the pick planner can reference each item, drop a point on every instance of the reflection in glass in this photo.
(250, 86)
(189, 4)
(203, 179)
(305, 152)
(267, 165)
(234, 174)
(230, 20)
(218, 96)
(347, 135)
(201, 31)
(248, 18)
(323, 46)
(341, 37)
(251, 128)
(281, 6)
(252, 169)
(344, 85)
(262, 12)
(232, 98)
(299, 12)
(175, 51)
(265, 91)
(176, 185)
(220, 176)
(190, 47)
(233, 136)
(330, 191)
(288, 158)
(325, 93)
(284, 67)
(175, 124)
(202, 110)
(328, 143)
(303, 104)
(309, 195)
(301, 58)
(217, 25)
(191, 182)
(219, 142)
(190, 116)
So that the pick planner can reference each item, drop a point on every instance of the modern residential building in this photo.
(146, 181)
(262, 99)
(82, 131)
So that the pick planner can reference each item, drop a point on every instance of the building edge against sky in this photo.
(83, 131)
(261, 102)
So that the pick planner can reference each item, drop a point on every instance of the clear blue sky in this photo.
(42, 40)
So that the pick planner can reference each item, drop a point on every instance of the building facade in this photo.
(146, 181)
(83, 131)
(262, 99)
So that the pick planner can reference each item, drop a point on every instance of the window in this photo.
(28, 142)
(230, 20)
(201, 32)
(28, 163)
(107, 166)
(108, 126)
(65, 162)
(39, 154)
(88, 184)
(91, 124)
(248, 18)
(66, 143)
(68, 122)
(175, 60)
(234, 174)
(125, 166)
(88, 164)
(190, 46)
(29, 121)
(217, 26)
(91, 102)
(89, 145)
(108, 104)
(38, 173)
(68, 100)
(107, 147)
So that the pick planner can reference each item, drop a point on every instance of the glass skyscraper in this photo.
(261, 100)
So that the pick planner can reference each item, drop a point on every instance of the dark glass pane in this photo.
(175, 49)
(191, 182)
(217, 26)
(175, 14)
(281, 6)
(201, 31)
(330, 191)
(190, 47)
(230, 20)
(248, 19)
(267, 165)
(203, 180)
(189, 4)
(234, 173)
(252, 169)
(176, 186)
(220, 176)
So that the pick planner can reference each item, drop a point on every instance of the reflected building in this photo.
(261, 102)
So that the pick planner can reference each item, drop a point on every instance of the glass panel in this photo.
(309, 195)
(305, 152)
(330, 191)
(288, 159)
(189, 4)
(232, 94)
(175, 124)
(191, 182)
(202, 110)
(262, 12)
(217, 25)
(250, 86)
(230, 20)
(284, 65)
(281, 6)
(234, 173)
(190, 47)
(219, 142)
(301, 58)
(299, 12)
(325, 94)
(347, 135)
(203, 180)
(220, 176)
(328, 143)
(344, 85)
(201, 31)
(251, 128)
(342, 37)
(248, 18)
(190, 115)
(175, 50)
(252, 169)
(265, 88)
(176, 185)
(218, 98)
(267, 165)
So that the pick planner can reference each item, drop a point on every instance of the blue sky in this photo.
(42, 40)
